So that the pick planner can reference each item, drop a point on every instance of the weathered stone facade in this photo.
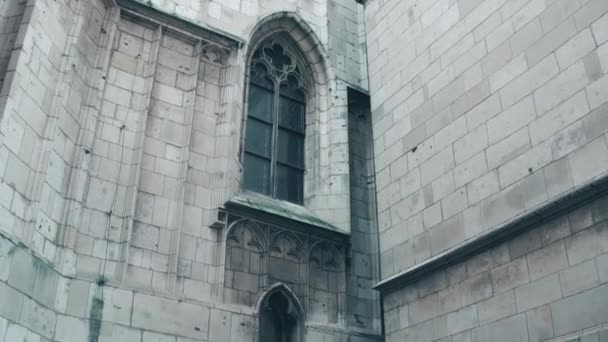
(490, 137)
(121, 211)
(455, 172)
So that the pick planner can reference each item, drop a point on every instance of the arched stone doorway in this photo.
(280, 316)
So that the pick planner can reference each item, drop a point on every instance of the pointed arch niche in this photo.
(245, 271)
(327, 285)
(325, 189)
(280, 315)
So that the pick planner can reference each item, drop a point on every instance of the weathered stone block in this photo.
(512, 329)
(550, 41)
(23, 271)
(525, 37)
(170, 317)
(590, 12)
(38, 318)
(561, 87)
(529, 81)
(16, 332)
(476, 288)
(540, 324)
(510, 275)
(502, 206)
(449, 299)
(483, 187)
(116, 333)
(461, 320)
(575, 49)
(3, 327)
(555, 230)
(602, 265)
(153, 337)
(423, 309)
(547, 260)
(600, 29)
(447, 234)
(537, 293)
(497, 307)
(527, 13)
(558, 177)
(587, 244)
(579, 278)
(508, 148)
(488, 260)
(117, 306)
(596, 94)
(470, 170)
(581, 219)
(584, 310)
(71, 329)
(596, 122)
(589, 161)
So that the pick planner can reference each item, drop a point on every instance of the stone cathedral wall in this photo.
(486, 114)
(491, 109)
(548, 284)
(120, 128)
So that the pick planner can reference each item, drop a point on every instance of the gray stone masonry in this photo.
(121, 132)
(549, 284)
(485, 112)
(482, 111)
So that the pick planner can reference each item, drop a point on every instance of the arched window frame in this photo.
(326, 143)
(293, 74)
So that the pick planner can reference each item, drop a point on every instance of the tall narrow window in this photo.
(274, 141)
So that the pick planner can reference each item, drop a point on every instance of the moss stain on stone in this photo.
(95, 315)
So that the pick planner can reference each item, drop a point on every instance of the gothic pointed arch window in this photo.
(275, 127)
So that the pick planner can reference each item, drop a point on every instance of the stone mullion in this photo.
(176, 209)
(136, 168)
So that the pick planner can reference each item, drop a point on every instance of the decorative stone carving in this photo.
(277, 62)
(287, 245)
(214, 54)
(325, 256)
(260, 255)
(246, 234)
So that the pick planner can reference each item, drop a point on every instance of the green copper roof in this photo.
(281, 208)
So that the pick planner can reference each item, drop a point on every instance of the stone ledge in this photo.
(279, 212)
(501, 233)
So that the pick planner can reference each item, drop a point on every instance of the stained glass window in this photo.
(274, 138)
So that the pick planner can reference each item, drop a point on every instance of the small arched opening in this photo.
(280, 316)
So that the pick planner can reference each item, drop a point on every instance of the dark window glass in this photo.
(274, 141)
(260, 77)
(257, 174)
(289, 183)
(259, 138)
(291, 114)
(290, 148)
(260, 103)
(291, 88)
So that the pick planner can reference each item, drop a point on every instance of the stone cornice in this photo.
(285, 216)
(519, 224)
